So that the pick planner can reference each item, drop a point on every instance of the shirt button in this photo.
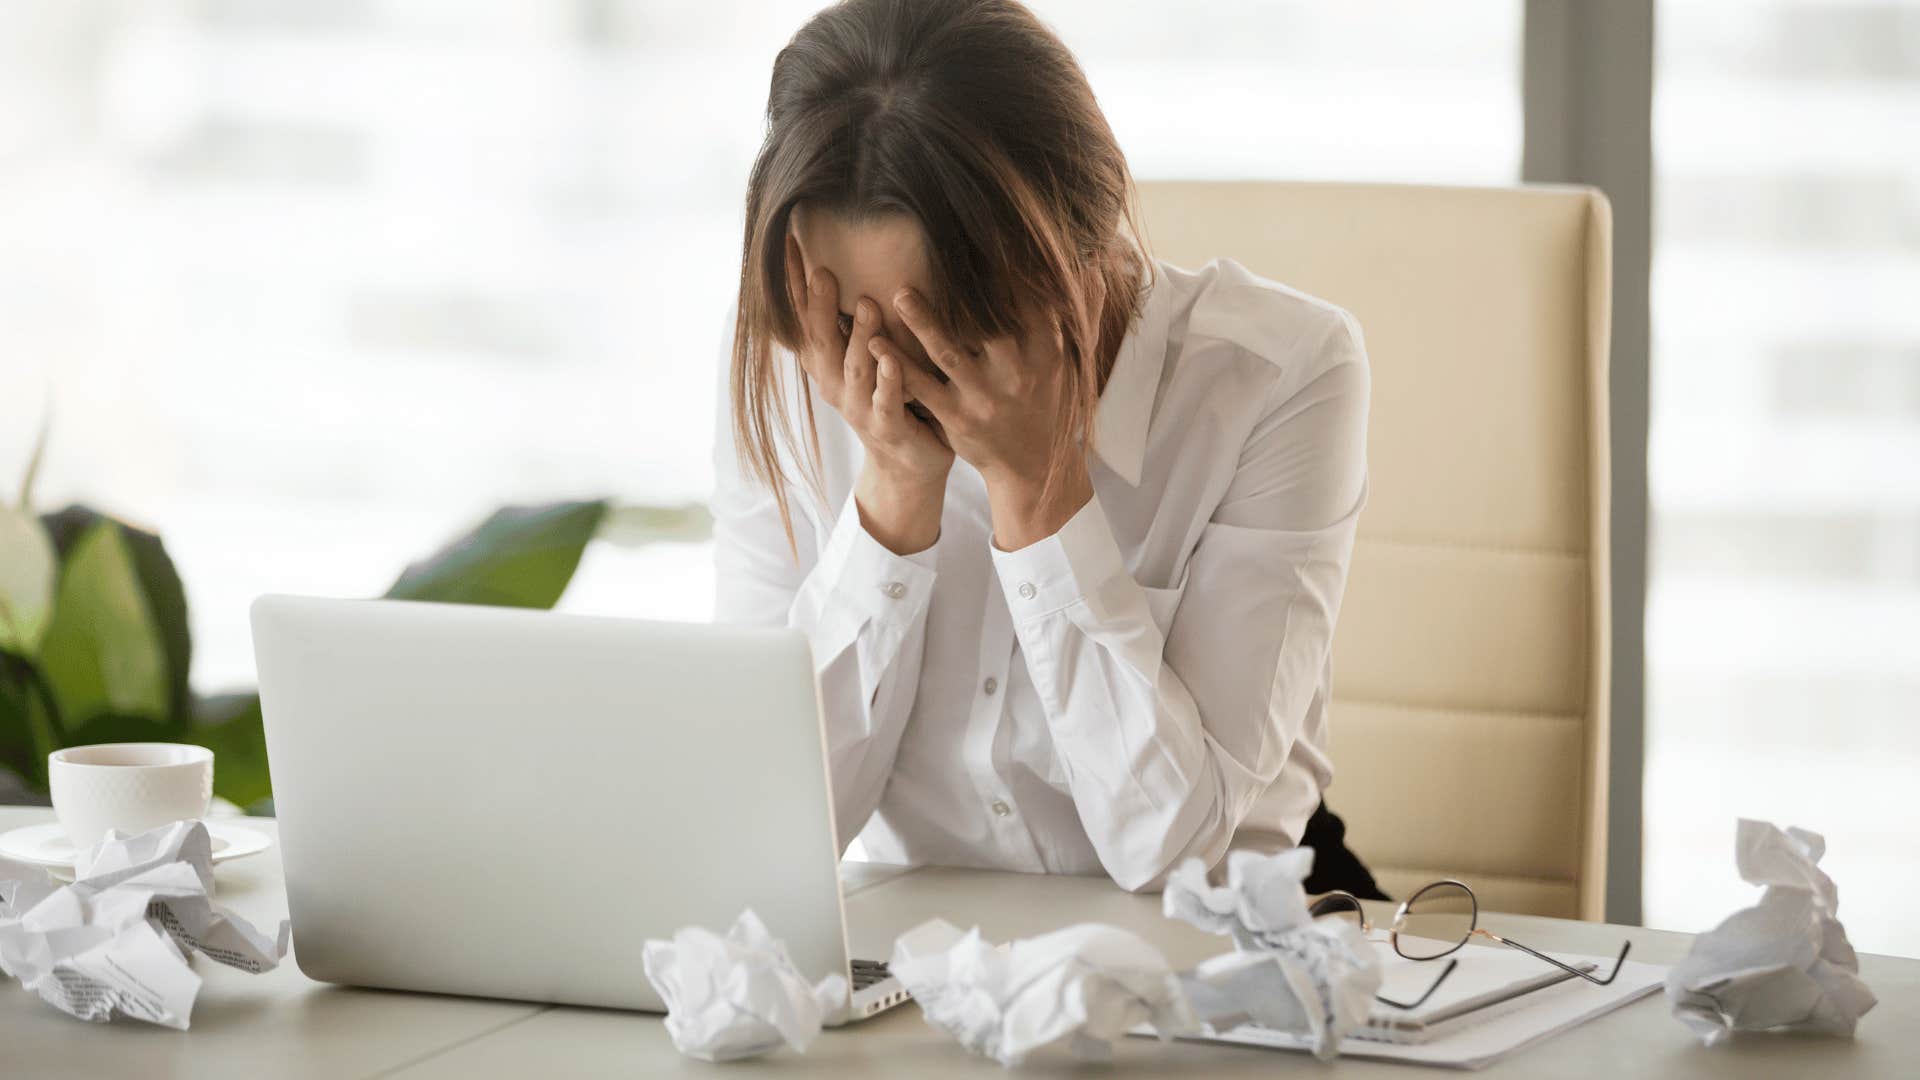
(1026, 590)
(1001, 808)
(894, 590)
(991, 684)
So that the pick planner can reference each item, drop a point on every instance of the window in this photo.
(314, 285)
(1783, 628)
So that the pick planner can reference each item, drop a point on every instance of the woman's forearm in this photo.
(902, 514)
(1024, 512)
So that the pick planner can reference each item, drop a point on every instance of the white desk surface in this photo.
(283, 1024)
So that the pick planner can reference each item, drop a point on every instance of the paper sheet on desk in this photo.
(116, 941)
(1503, 1032)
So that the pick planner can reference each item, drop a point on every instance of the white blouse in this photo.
(1147, 684)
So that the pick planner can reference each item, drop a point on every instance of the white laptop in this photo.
(508, 803)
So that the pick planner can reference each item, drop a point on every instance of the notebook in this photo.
(1496, 1002)
(1483, 983)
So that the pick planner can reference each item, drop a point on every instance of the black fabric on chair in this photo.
(1334, 866)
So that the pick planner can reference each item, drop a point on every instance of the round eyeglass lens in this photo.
(1437, 919)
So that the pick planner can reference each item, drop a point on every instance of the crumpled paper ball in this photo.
(1783, 964)
(1262, 900)
(115, 942)
(1318, 981)
(1290, 972)
(737, 996)
(1081, 988)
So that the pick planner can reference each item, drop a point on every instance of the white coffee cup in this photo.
(132, 787)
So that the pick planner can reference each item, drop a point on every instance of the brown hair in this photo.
(971, 117)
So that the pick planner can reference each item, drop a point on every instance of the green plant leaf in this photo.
(16, 741)
(102, 652)
(28, 571)
(229, 725)
(166, 598)
(522, 556)
(25, 735)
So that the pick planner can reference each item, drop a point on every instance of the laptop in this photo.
(509, 803)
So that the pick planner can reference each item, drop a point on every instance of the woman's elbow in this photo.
(1145, 869)
(1148, 872)
(1151, 881)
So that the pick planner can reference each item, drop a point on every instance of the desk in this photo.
(283, 1024)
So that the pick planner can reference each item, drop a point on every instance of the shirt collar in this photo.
(1126, 404)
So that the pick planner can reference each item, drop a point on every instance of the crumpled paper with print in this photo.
(116, 942)
(1313, 978)
(1317, 981)
(740, 995)
(1783, 964)
(1079, 988)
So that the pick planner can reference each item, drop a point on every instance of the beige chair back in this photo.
(1471, 664)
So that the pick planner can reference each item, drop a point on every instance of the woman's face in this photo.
(874, 259)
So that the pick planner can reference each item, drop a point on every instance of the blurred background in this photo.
(310, 286)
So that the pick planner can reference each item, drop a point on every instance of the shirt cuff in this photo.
(871, 580)
(1062, 569)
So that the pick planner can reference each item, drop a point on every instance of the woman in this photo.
(1066, 526)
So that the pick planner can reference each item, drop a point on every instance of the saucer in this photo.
(47, 845)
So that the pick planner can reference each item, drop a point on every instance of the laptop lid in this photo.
(508, 803)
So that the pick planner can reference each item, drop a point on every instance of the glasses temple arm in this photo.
(1618, 961)
(1422, 1000)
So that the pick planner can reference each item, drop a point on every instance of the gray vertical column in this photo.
(1587, 96)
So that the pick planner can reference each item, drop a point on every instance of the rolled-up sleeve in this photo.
(1168, 738)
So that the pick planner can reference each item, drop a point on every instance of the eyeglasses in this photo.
(1436, 921)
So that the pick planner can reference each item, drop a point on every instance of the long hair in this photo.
(974, 120)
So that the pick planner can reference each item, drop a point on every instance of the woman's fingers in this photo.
(816, 301)
(946, 355)
(889, 398)
(823, 311)
(858, 364)
(938, 397)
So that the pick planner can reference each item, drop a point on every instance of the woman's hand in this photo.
(904, 482)
(1000, 410)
